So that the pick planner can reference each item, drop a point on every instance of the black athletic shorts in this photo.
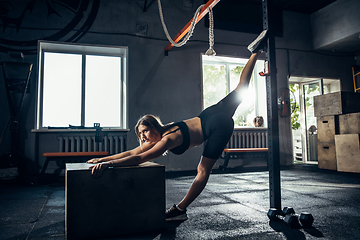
(217, 125)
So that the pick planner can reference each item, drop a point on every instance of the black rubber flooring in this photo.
(234, 205)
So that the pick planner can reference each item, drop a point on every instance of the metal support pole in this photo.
(272, 113)
(145, 3)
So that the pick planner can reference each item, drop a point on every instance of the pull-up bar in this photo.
(203, 12)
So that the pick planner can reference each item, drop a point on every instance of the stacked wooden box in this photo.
(338, 126)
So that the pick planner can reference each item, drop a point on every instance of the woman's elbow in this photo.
(146, 157)
(136, 159)
(141, 159)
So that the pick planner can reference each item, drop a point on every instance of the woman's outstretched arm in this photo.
(133, 160)
(146, 146)
(109, 158)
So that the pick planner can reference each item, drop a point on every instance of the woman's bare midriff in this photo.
(195, 130)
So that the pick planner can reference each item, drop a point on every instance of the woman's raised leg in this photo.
(256, 47)
(247, 72)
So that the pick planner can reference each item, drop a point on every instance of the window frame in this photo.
(84, 50)
(232, 60)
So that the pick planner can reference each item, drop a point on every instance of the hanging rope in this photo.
(190, 32)
(211, 51)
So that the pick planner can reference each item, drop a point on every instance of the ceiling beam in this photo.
(210, 4)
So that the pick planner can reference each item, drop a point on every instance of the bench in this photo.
(64, 156)
(241, 152)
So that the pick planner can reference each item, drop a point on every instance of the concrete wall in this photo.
(336, 26)
(170, 86)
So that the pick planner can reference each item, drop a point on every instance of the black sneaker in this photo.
(259, 43)
(174, 214)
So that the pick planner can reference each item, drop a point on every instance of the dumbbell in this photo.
(291, 218)
(277, 214)
(287, 215)
(306, 219)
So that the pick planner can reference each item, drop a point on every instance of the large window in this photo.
(222, 74)
(80, 85)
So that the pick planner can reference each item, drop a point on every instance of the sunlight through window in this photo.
(62, 74)
(102, 94)
(80, 85)
(221, 75)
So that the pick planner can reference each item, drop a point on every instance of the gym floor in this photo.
(233, 206)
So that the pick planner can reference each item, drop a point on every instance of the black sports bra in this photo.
(186, 138)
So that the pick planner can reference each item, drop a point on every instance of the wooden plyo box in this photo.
(327, 127)
(122, 201)
(348, 152)
(327, 156)
(349, 123)
(336, 103)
